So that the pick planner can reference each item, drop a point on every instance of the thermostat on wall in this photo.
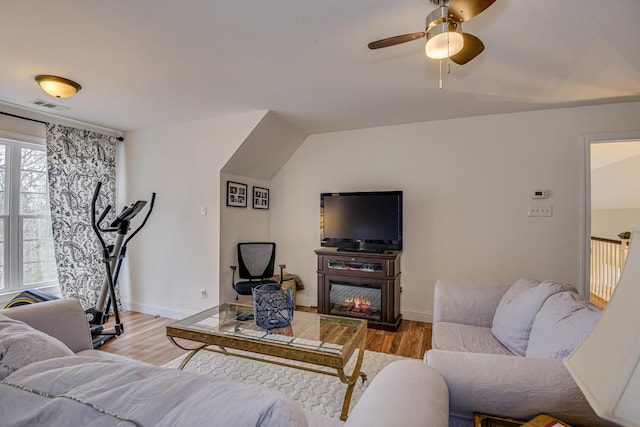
(539, 194)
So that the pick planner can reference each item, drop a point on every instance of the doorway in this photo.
(612, 196)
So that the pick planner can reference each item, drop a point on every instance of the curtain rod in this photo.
(119, 138)
(23, 118)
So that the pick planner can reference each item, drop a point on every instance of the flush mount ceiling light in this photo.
(58, 86)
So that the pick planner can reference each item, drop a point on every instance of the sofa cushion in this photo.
(21, 345)
(562, 323)
(467, 338)
(517, 310)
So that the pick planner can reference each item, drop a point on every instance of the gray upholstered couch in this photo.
(50, 375)
(499, 348)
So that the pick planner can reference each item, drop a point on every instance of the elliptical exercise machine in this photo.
(112, 257)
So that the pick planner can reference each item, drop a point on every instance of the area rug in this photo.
(316, 392)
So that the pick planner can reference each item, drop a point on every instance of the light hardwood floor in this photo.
(144, 339)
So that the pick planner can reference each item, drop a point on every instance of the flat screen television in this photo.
(361, 221)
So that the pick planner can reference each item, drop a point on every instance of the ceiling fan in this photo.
(443, 31)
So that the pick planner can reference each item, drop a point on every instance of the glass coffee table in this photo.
(316, 339)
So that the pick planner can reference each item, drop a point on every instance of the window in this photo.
(26, 243)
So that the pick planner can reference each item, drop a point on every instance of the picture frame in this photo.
(236, 194)
(260, 198)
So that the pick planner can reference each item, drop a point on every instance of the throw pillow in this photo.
(517, 310)
(562, 323)
(21, 345)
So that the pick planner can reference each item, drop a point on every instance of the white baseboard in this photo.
(169, 313)
(417, 315)
(306, 301)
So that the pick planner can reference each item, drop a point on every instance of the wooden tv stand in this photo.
(373, 273)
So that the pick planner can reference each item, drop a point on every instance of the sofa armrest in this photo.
(511, 386)
(63, 319)
(405, 392)
(469, 303)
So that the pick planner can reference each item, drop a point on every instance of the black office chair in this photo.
(256, 261)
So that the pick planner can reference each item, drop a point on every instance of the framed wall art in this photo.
(260, 198)
(236, 194)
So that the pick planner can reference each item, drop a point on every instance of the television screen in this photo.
(361, 220)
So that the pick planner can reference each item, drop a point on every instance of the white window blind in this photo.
(27, 258)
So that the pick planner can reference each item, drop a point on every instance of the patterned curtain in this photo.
(77, 160)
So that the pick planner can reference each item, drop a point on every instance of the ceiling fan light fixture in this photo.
(57, 86)
(444, 40)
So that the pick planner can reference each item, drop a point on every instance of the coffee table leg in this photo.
(351, 380)
(192, 351)
(189, 356)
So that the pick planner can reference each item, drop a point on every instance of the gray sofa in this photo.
(50, 375)
(499, 348)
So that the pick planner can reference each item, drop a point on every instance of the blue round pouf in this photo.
(272, 306)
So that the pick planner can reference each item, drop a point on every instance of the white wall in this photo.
(608, 223)
(467, 185)
(13, 126)
(240, 225)
(615, 192)
(177, 254)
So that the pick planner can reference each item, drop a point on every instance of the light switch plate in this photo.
(541, 210)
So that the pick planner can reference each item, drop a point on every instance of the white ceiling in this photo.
(144, 63)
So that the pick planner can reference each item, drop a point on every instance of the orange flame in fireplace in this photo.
(359, 304)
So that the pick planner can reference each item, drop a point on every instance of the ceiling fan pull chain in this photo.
(440, 74)
(448, 55)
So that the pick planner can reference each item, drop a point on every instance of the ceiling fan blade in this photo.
(472, 48)
(395, 40)
(463, 10)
